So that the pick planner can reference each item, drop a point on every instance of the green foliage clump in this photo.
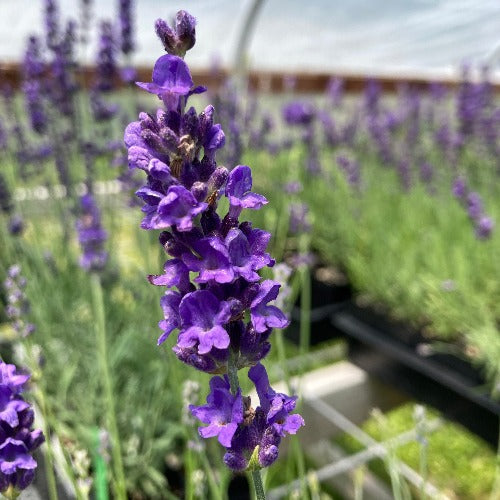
(459, 463)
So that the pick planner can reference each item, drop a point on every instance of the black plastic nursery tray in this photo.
(390, 352)
(326, 299)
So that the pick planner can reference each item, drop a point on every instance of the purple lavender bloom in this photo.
(484, 227)
(106, 58)
(214, 263)
(51, 23)
(178, 207)
(238, 191)
(372, 95)
(102, 111)
(426, 172)
(203, 318)
(474, 205)
(128, 75)
(33, 68)
(17, 440)
(176, 274)
(222, 313)
(332, 137)
(264, 316)
(223, 412)
(350, 168)
(459, 188)
(246, 247)
(126, 26)
(292, 187)
(91, 236)
(298, 113)
(16, 225)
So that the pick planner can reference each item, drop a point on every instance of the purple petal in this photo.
(226, 434)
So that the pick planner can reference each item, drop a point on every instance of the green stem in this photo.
(257, 483)
(100, 324)
(232, 372)
(49, 455)
(305, 313)
(188, 465)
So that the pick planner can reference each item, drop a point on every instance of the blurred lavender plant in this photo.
(473, 203)
(91, 235)
(223, 316)
(127, 44)
(33, 69)
(18, 305)
(351, 170)
(303, 114)
(106, 73)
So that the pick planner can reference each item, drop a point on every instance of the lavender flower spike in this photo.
(17, 439)
(171, 81)
(202, 320)
(220, 305)
(238, 191)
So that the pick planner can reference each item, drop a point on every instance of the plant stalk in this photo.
(120, 485)
(259, 487)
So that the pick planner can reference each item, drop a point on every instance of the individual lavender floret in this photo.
(17, 439)
(181, 38)
(253, 435)
(18, 305)
(223, 411)
(172, 82)
(91, 235)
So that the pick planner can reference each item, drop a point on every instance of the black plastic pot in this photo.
(390, 351)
